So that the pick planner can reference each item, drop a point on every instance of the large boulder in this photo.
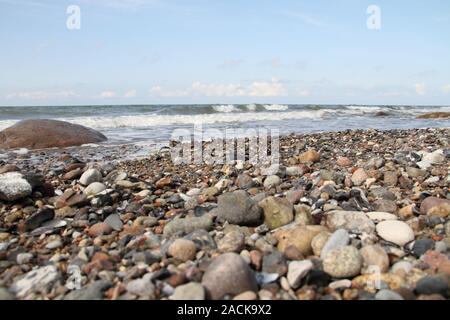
(42, 133)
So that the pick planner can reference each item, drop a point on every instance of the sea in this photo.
(155, 124)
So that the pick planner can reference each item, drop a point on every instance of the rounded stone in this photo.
(396, 232)
(94, 188)
(277, 212)
(319, 241)
(431, 285)
(182, 249)
(90, 176)
(228, 274)
(271, 181)
(343, 262)
(190, 291)
(339, 238)
(421, 246)
(388, 295)
(374, 256)
(233, 241)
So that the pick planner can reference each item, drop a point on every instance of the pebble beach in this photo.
(348, 215)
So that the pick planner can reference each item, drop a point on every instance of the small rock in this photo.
(359, 177)
(431, 285)
(244, 181)
(352, 221)
(13, 186)
(343, 262)
(319, 241)
(277, 212)
(228, 274)
(189, 291)
(99, 229)
(310, 156)
(388, 295)
(183, 250)
(421, 246)
(374, 256)
(188, 225)
(297, 271)
(299, 237)
(274, 262)
(24, 258)
(94, 188)
(339, 238)
(37, 219)
(113, 220)
(344, 162)
(246, 296)
(383, 205)
(396, 232)
(294, 171)
(238, 208)
(90, 176)
(271, 181)
(233, 241)
(36, 280)
(92, 291)
(142, 287)
(5, 294)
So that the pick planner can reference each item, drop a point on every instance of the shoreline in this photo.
(309, 229)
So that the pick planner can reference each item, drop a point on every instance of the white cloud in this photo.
(420, 89)
(131, 93)
(273, 88)
(107, 94)
(306, 18)
(446, 88)
(267, 89)
(39, 95)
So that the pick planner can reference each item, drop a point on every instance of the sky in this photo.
(224, 51)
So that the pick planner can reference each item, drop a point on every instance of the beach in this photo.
(350, 214)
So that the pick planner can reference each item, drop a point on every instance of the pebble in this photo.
(421, 246)
(359, 177)
(396, 232)
(388, 295)
(142, 287)
(297, 271)
(343, 262)
(94, 188)
(54, 244)
(374, 256)
(299, 237)
(339, 238)
(274, 262)
(189, 291)
(319, 241)
(13, 186)
(36, 280)
(246, 296)
(183, 250)
(277, 212)
(5, 294)
(114, 222)
(432, 285)
(272, 181)
(237, 208)
(352, 221)
(228, 274)
(233, 241)
(188, 225)
(90, 176)
(99, 229)
(24, 258)
(92, 291)
(310, 156)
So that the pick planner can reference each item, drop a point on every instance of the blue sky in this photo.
(224, 51)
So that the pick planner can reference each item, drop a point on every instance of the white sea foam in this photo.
(276, 107)
(251, 107)
(225, 108)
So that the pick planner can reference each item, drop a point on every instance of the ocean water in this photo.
(156, 123)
